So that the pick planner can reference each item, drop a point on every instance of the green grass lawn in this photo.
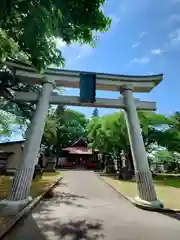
(167, 187)
(37, 188)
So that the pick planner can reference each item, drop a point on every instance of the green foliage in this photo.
(171, 160)
(153, 126)
(29, 31)
(25, 109)
(5, 129)
(29, 28)
(162, 156)
(6, 122)
(109, 133)
(63, 127)
(170, 138)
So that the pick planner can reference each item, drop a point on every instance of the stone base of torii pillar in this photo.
(10, 208)
(148, 205)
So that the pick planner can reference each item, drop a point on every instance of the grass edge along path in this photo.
(38, 187)
(169, 195)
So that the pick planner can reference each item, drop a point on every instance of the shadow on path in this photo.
(66, 198)
(87, 209)
(81, 229)
(172, 215)
(46, 223)
(74, 229)
(54, 229)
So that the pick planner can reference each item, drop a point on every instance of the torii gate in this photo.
(125, 84)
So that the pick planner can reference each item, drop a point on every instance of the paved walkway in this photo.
(86, 208)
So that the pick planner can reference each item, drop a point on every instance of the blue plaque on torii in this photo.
(87, 87)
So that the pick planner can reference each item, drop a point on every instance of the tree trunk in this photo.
(109, 164)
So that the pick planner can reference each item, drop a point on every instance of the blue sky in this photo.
(144, 38)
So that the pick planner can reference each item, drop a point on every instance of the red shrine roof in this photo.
(78, 150)
(79, 147)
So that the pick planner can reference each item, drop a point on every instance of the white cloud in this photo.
(60, 44)
(175, 36)
(174, 18)
(115, 19)
(173, 42)
(142, 34)
(84, 51)
(75, 53)
(156, 51)
(150, 73)
(141, 60)
(175, 1)
(135, 45)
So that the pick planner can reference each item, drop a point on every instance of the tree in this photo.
(169, 160)
(95, 113)
(63, 127)
(24, 110)
(153, 126)
(5, 129)
(109, 133)
(29, 29)
(171, 136)
(6, 124)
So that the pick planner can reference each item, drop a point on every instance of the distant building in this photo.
(78, 155)
(11, 154)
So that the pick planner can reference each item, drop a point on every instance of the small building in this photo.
(11, 154)
(78, 155)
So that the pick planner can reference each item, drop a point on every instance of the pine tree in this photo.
(95, 113)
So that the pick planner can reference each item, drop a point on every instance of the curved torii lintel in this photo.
(69, 78)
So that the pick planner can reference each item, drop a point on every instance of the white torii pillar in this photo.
(19, 195)
(147, 194)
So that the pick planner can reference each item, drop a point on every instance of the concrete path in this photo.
(86, 208)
